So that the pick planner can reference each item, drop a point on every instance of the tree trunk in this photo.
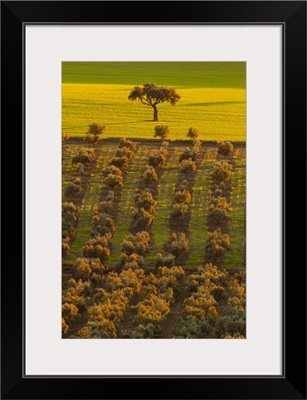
(155, 116)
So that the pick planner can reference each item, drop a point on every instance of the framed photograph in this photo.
(161, 153)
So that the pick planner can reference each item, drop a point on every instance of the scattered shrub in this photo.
(225, 148)
(120, 162)
(65, 327)
(128, 144)
(234, 336)
(182, 196)
(201, 304)
(219, 189)
(222, 186)
(104, 330)
(99, 323)
(150, 175)
(179, 210)
(151, 310)
(177, 245)
(81, 169)
(188, 154)
(84, 268)
(128, 281)
(193, 133)
(218, 202)
(65, 247)
(191, 328)
(73, 188)
(97, 248)
(237, 299)
(133, 261)
(196, 145)
(65, 137)
(69, 311)
(70, 211)
(105, 207)
(145, 200)
(111, 169)
(217, 216)
(113, 181)
(91, 139)
(177, 272)
(102, 224)
(124, 152)
(234, 324)
(142, 218)
(170, 277)
(187, 166)
(110, 196)
(84, 156)
(141, 332)
(93, 134)
(70, 214)
(157, 158)
(218, 192)
(183, 185)
(138, 243)
(96, 129)
(216, 246)
(161, 131)
(218, 211)
(221, 172)
(77, 293)
(208, 275)
(164, 261)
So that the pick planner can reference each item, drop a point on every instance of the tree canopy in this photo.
(152, 95)
(93, 133)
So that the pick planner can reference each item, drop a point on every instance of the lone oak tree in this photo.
(151, 95)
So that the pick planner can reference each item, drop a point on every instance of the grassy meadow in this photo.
(212, 98)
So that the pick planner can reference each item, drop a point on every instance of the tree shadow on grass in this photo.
(165, 121)
(215, 103)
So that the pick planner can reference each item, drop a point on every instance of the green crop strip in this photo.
(90, 201)
(160, 229)
(235, 257)
(198, 208)
(123, 218)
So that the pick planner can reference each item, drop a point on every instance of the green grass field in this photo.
(160, 230)
(213, 98)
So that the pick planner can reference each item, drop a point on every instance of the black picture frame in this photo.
(292, 16)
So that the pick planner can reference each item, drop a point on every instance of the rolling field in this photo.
(213, 99)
